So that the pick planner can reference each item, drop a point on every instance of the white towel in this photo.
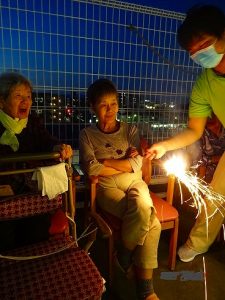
(52, 180)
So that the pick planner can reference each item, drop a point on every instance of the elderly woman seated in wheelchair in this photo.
(22, 132)
(110, 150)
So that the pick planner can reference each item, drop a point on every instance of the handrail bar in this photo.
(20, 157)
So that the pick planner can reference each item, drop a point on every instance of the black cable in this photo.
(132, 28)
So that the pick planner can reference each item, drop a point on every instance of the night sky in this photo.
(176, 5)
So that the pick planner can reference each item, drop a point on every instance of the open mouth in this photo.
(23, 110)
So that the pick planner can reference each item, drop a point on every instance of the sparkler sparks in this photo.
(198, 188)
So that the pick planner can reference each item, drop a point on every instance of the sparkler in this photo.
(197, 187)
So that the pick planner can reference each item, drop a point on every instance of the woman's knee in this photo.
(142, 208)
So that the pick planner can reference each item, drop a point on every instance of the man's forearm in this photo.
(182, 139)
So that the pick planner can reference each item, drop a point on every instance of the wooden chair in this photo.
(55, 268)
(166, 213)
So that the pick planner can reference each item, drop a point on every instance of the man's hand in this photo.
(155, 151)
(132, 152)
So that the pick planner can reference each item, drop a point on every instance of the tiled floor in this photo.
(187, 282)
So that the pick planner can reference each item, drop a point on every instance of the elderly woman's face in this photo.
(18, 103)
(107, 108)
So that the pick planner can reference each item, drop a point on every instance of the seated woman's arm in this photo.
(105, 166)
(108, 171)
(121, 165)
(115, 166)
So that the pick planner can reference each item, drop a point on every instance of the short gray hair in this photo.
(9, 80)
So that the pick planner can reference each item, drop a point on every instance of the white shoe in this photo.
(187, 254)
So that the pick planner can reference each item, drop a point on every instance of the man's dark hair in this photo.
(98, 89)
(200, 20)
(10, 80)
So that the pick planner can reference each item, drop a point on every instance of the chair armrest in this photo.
(146, 170)
(103, 226)
(93, 179)
(76, 177)
(170, 189)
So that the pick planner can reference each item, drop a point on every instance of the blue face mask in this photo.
(207, 57)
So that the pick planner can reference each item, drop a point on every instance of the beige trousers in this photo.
(201, 236)
(127, 196)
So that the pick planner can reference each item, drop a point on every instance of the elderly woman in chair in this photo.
(22, 132)
(109, 150)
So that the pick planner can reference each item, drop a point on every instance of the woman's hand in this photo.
(132, 152)
(65, 151)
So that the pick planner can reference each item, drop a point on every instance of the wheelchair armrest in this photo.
(24, 157)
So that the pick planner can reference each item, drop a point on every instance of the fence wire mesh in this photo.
(62, 46)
